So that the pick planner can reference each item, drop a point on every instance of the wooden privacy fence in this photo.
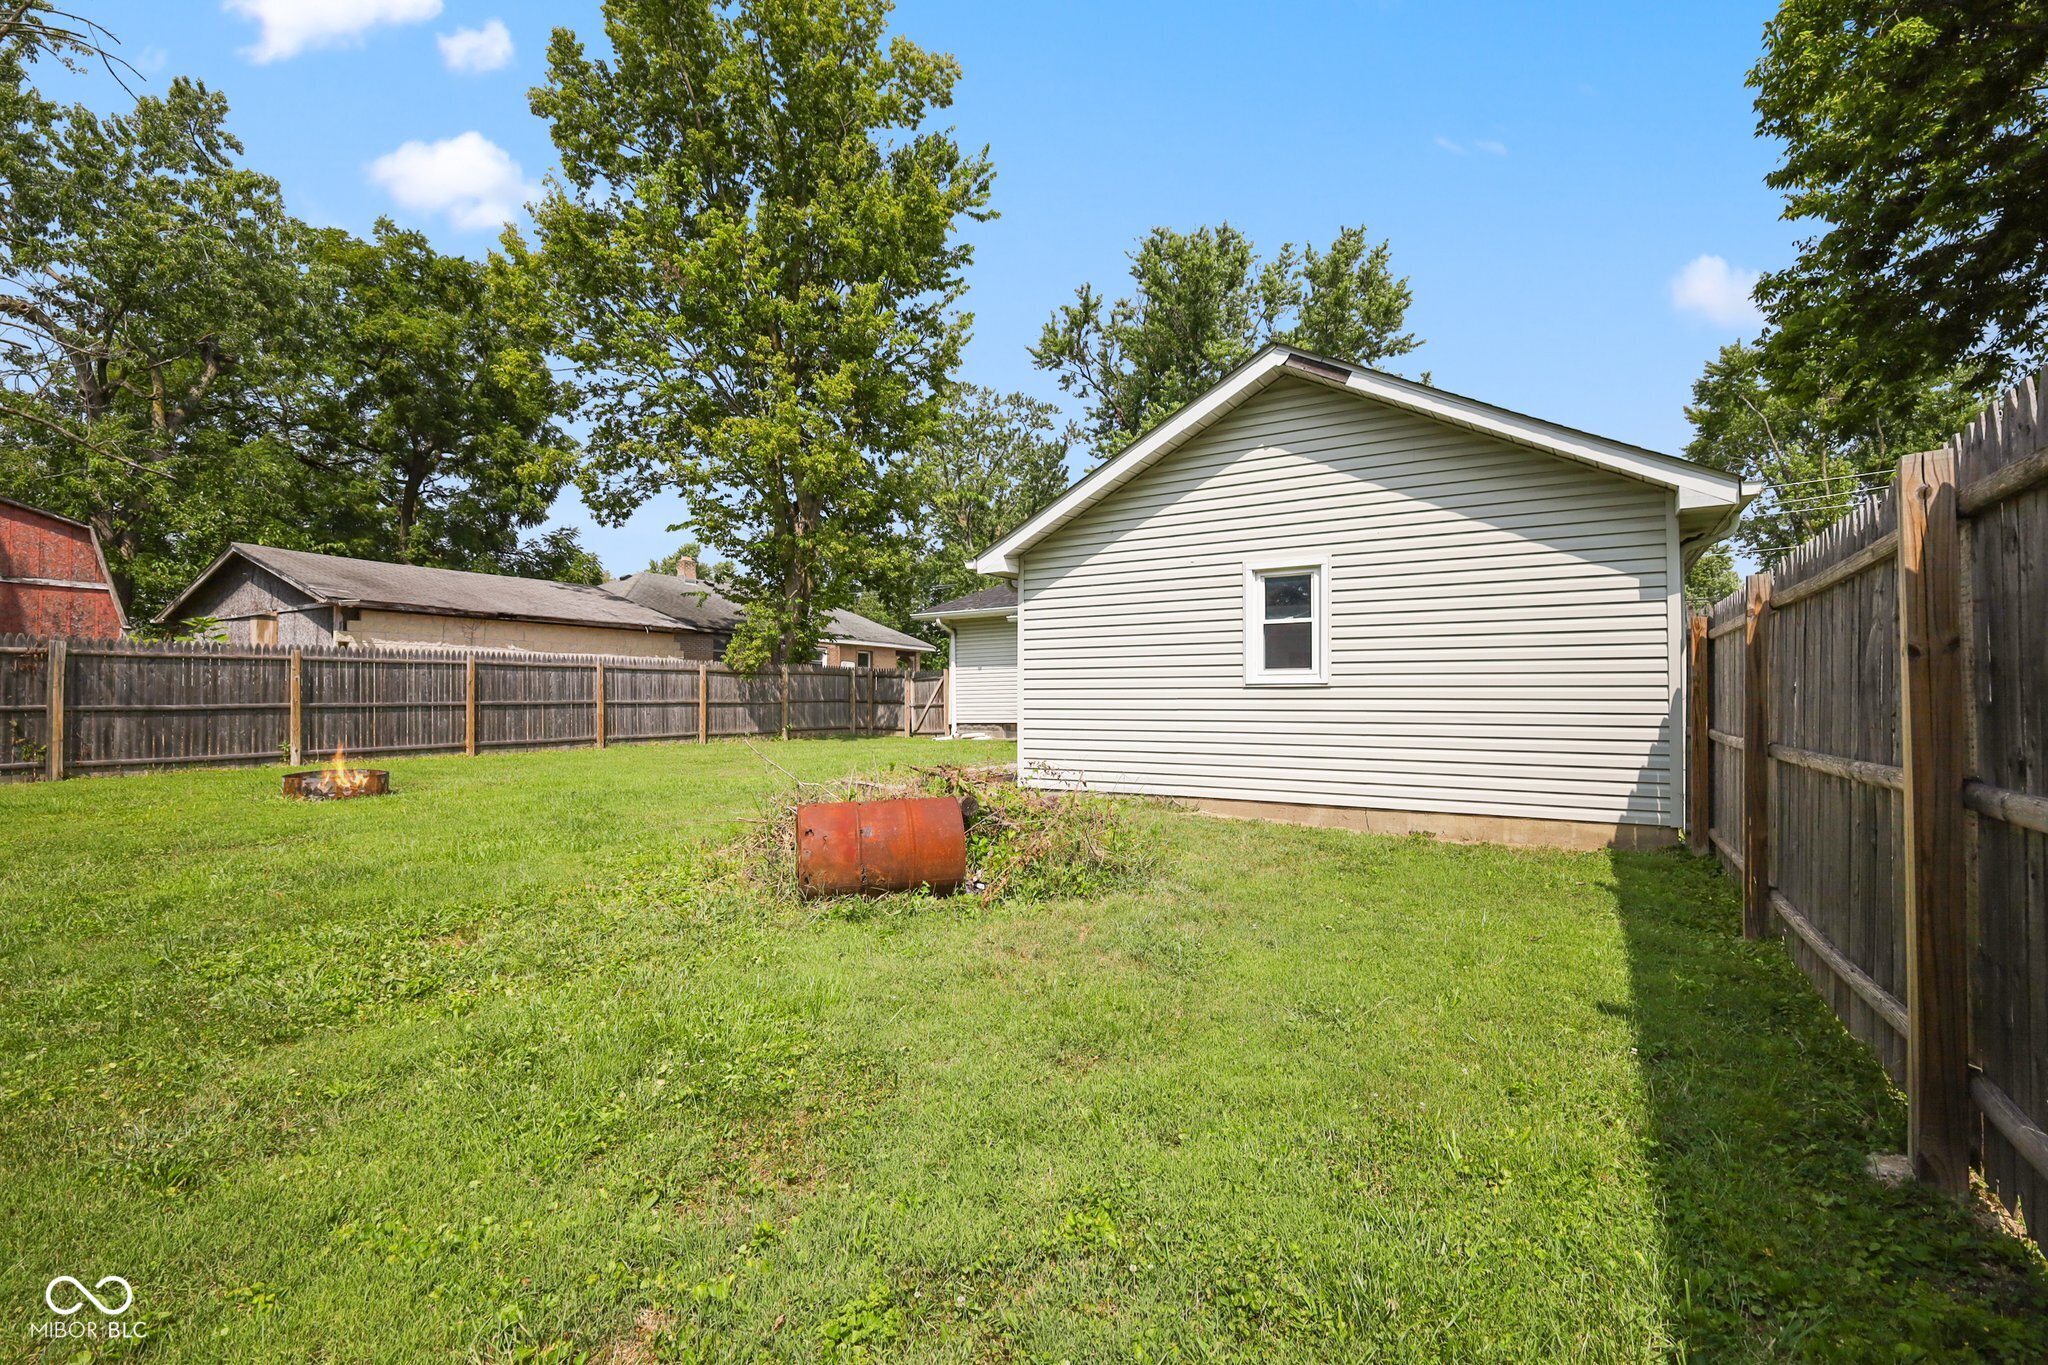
(1869, 751)
(93, 706)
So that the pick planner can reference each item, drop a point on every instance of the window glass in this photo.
(1290, 645)
(1289, 596)
(1289, 605)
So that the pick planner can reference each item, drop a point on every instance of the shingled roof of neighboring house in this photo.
(982, 602)
(349, 582)
(699, 605)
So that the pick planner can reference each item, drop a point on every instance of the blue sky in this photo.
(1550, 176)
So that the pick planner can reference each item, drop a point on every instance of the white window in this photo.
(1286, 620)
(864, 659)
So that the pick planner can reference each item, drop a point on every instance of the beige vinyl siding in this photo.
(402, 629)
(1501, 623)
(985, 671)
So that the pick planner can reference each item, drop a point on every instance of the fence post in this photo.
(60, 664)
(703, 703)
(469, 709)
(909, 677)
(599, 682)
(1699, 769)
(785, 701)
(1931, 740)
(298, 721)
(853, 700)
(1756, 759)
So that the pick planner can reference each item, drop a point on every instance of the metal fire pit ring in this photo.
(324, 784)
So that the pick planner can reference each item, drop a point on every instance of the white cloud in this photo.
(1454, 148)
(468, 177)
(1491, 148)
(476, 49)
(292, 26)
(1717, 291)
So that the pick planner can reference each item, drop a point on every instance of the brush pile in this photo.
(1022, 844)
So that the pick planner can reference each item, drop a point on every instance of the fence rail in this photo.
(99, 706)
(1871, 750)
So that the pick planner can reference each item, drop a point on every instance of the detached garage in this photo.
(1327, 594)
(982, 678)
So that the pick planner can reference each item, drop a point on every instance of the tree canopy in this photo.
(1916, 138)
(753, 245)
(434, 394)
(1202, 303)
(143, 280)
(986, 467)
(184, 363)
(1817, 458)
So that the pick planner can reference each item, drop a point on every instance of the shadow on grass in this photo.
(1763, 1111)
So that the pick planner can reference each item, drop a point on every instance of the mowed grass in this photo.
(498, 1068)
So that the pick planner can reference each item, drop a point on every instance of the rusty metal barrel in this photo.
(869, 847)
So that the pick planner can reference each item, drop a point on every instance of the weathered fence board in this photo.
(1866, 620)
(1999, 467)
(130, 707)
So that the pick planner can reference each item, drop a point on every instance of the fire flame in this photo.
(343, 780)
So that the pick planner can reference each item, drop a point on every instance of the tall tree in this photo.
(436, 393)
(753, 250)
(1203, 303)
(1817, 458)
(142, 273)
(991, 462)
(1916, 135)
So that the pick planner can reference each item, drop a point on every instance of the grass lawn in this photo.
(494, 1068)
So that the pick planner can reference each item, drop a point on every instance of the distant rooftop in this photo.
(698, 604)
(1002, 597)
(412, 587)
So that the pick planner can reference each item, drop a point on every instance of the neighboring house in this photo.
(982, 678)
(53, 578)
(851, 640)
(265, 596)
(1327, 594)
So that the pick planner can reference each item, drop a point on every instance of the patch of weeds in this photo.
(1023, 844)
(876, 1318)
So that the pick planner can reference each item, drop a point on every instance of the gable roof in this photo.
(341, 581)
(1709, 501)
(699, 605)
(999, 600)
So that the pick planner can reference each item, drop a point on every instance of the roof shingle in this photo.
(411, 587)
(998, 598)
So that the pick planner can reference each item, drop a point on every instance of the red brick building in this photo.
(53, 578)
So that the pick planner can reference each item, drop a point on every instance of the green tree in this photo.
(1203, 302)
(1818, 458)
(1711, 578)
(752, 247)
(558, 554)
(992, 461)
(1916, 134)
(435, 393)
(142, 275)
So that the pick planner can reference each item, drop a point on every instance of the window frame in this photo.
(1316, 564)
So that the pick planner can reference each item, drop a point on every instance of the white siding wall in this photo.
(1501, 623)
(985, 671)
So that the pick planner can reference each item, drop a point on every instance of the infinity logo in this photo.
(87, 1296)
